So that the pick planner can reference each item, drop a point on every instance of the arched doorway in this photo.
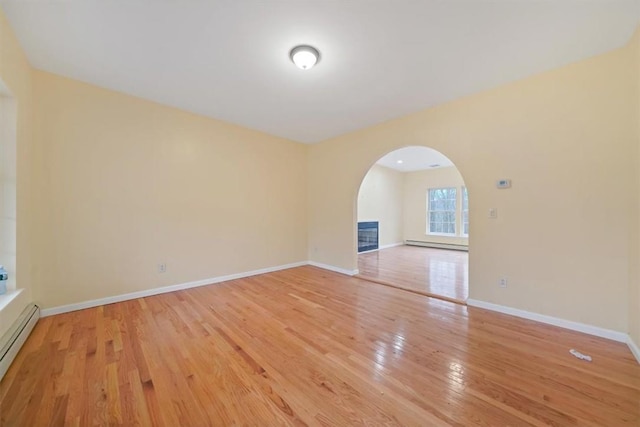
(413, 224)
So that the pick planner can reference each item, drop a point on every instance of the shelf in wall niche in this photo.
(6, 299)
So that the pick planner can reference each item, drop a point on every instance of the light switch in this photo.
(493, 213)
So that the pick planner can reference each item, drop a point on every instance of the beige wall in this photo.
(129, 183)
(416, 186)
(15, 74)
(565, 138)
(381, 199)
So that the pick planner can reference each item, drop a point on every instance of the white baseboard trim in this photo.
(392, 245)
(567, 324)
(156, 291)
(634, 348)
(333, 268)
(368, 252)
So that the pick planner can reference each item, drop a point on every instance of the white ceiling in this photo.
(411, 159)
(380, 59)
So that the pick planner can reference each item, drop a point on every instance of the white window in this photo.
(465, 212)
(441, 211)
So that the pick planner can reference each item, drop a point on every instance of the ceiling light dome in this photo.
(305, 57)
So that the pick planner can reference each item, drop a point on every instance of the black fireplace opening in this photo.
(367, 236)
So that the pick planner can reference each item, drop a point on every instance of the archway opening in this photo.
(413, 224)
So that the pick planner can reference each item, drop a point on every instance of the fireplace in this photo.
(367, 236)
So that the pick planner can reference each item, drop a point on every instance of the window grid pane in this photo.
(442, 211)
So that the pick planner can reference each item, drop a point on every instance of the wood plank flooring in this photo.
(310, 347)
(440, 273)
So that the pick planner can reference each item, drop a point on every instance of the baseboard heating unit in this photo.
(14, 338)
(437, 245)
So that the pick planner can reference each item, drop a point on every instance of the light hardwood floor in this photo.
(310, 347)
(434, 272)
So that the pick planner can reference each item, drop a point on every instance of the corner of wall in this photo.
(634, 235)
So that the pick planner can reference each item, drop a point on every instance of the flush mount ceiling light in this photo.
(305, 57)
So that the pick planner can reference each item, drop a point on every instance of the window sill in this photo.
(5, 299)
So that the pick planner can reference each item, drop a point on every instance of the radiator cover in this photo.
(437, 245)
(14, 338)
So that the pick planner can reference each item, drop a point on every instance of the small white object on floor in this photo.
(579, 355)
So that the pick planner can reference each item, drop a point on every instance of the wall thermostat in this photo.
(503, 183)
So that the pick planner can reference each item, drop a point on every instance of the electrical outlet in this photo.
(162, 267)
(502, 282)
